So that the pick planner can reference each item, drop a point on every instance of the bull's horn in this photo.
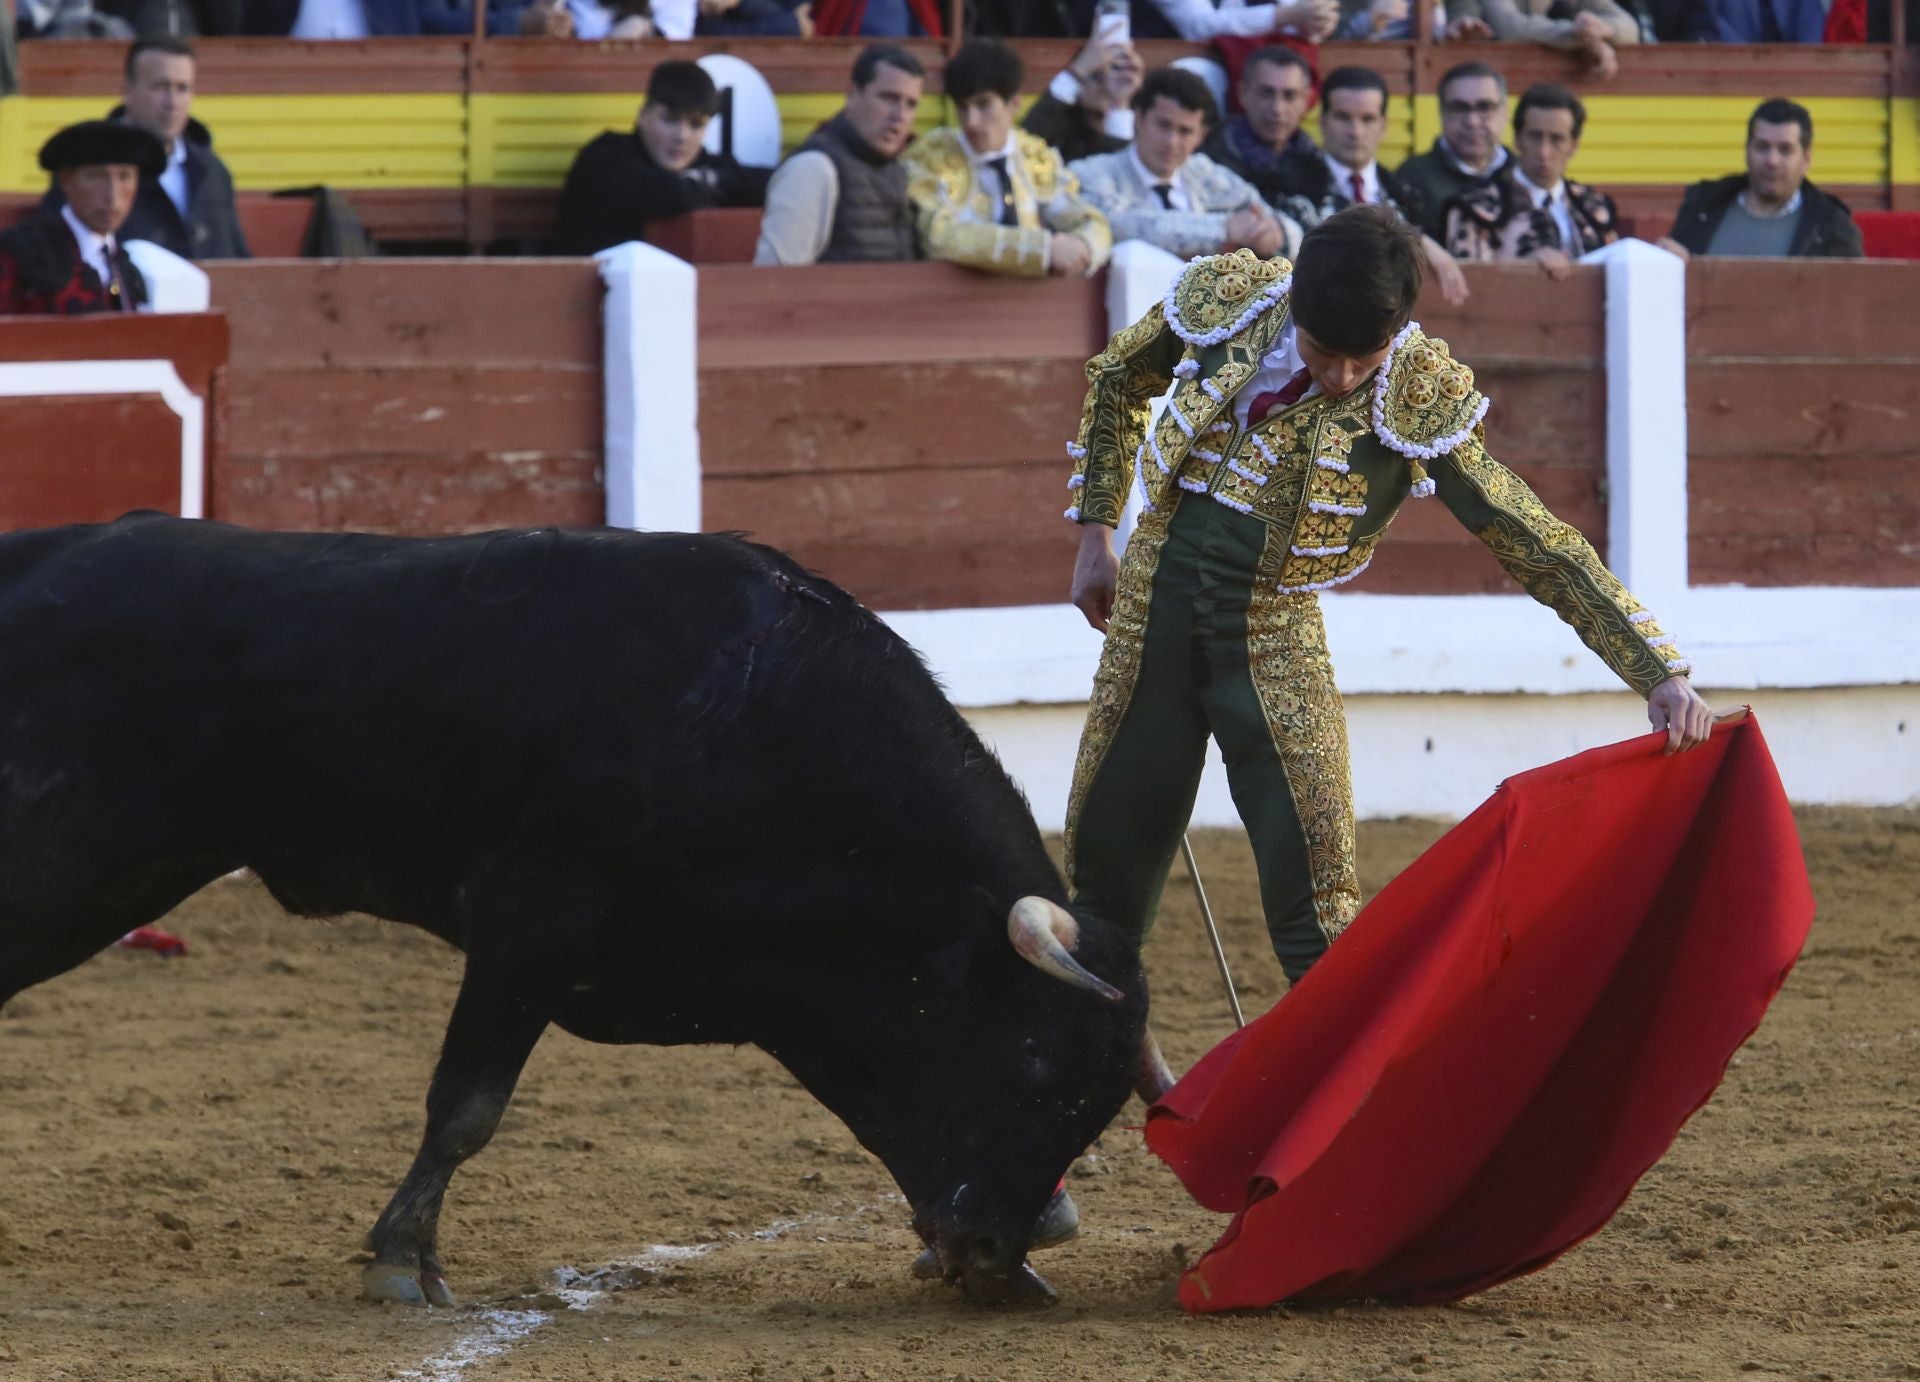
(1045, 933)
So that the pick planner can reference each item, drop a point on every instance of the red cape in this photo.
(1472, 1079)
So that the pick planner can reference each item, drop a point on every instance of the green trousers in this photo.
(1198, 648)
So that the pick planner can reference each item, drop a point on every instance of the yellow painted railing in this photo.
(527, 140)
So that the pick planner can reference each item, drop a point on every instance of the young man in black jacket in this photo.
(189, 207)
(1771, 210)
(622, 180)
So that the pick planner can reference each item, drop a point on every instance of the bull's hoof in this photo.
(926, 1267)
(391, 1281)
(1024, 1287)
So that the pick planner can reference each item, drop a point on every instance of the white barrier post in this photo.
(651, 328)
(1646, 420)
(1138, 276)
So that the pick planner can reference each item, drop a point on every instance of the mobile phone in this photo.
(1113, 21)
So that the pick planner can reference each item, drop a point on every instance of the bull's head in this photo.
(981, 1072)
(981, 1238)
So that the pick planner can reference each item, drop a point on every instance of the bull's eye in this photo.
(1032, 1048)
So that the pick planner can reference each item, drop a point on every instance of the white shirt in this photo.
(1554, 199)
(1792, 208)
(1343, 177)
(96, 250)
(1499, 160)
(1066, 88)
(990, 175)
(174, 180)
(1177, 191)
(1277, 366)
(1195, 20)
(591, 21)
(330, 19)
(674, 19)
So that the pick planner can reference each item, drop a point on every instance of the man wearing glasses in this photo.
(1473, 110)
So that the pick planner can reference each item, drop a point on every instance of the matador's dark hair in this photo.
(983, 65)
(1356, 278)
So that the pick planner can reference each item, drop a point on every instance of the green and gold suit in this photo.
(1216, 628)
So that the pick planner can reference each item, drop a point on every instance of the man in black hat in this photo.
(71, 261)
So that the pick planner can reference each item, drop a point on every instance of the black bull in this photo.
(659, 788)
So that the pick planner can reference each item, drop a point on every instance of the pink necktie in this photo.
(1273, 400)
(1359, 189)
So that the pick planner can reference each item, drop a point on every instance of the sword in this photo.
(1213, 932)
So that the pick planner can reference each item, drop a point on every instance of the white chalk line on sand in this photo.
(495, 1330)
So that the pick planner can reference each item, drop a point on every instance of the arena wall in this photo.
(425, 396)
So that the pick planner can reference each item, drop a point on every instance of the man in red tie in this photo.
(70, 260)
(1306, 408)
(1346, 172)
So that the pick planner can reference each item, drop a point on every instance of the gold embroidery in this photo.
(1119, 669)
(1123, 380)
(1430, 395)
(1293, 676)
(1215, 291)
(1553, 564)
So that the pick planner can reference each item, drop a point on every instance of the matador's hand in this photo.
(1095, 574)
(1677, 708)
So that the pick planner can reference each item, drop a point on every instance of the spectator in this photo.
(68, 261)
(1088, 107)
(176, 18)
(189, 208)
(878, 18)
(1681, 21)
(1529, 209)
(69, 19)
(320, 19)
(623, 179)
(1772, 209)
(990, 198)
(682, 19)
(1199, 20)
(1473, 109)
(1771, 21)
(1276, 90)
(1163, 190)
(1346, 171)
(1590, 29)
(842, 195)
(1386, 20)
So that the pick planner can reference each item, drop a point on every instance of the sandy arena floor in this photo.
(193, 1149)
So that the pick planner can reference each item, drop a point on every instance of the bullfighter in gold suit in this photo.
(993, 197)
(1307, 407)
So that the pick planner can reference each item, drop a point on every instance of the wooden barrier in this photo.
(425, 396)
(108, 413)
(901, 430)
(1803, 386)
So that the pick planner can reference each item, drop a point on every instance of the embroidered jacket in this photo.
(1497, 220)
(1327, 475)
(1135, 212)
(958, 223)
(42, 273)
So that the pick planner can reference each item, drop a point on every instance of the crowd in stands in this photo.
(1594, 29)
(1109, 153)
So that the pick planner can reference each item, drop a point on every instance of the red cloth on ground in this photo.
(163, 943)
(1474, 1076)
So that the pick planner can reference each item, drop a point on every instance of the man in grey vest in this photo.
(842, 195)
(1772, 211)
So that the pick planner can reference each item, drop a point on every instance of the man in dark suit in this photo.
(68, 261)
(188, 207)
(658, 169)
